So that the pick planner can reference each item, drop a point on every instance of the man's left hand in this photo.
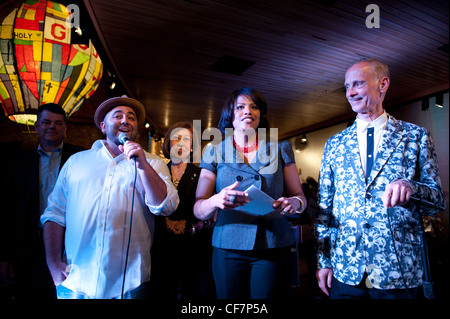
(397, 193)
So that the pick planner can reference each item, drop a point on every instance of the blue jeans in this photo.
(254, 274)
(141, 292)
(340, 290)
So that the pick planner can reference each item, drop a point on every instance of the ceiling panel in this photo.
(163, 52)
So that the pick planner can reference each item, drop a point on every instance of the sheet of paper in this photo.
(260, 203)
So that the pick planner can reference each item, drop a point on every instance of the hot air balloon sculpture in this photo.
(39, 64)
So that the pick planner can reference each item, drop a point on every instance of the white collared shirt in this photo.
(361, 131)
(49, 163)
(92, 200)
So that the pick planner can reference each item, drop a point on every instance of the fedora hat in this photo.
(123, 100)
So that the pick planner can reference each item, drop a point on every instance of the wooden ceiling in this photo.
(163, 52)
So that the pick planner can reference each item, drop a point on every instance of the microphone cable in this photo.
(397, 255)
(427, 285)
(129, 231)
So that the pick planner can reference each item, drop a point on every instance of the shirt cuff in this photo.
(60, 220)
(168, 205)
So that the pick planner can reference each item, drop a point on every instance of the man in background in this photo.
(30, 178)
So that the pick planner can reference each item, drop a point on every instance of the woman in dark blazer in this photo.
(181, 252)
(251, 251)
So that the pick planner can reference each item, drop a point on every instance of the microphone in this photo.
(427, 203)
(123, 138)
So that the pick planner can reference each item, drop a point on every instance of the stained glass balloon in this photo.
(39, 64)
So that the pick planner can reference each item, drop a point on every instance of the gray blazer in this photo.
(238, 230)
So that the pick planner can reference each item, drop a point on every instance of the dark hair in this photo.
(166, 143)
(227, 116)
(51, 107)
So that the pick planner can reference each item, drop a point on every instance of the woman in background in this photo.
(181, 253)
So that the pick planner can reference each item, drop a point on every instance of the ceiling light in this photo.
(78, 31)
(439, 100)
(300, 142)
(303, 139)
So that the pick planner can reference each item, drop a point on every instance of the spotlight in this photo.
(439, 100)
(303, 139)
(111, 82)
(78, 31)
(300, 142)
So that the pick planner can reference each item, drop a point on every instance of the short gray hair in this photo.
(378, 67)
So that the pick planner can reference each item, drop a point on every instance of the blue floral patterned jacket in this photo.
(354, 233)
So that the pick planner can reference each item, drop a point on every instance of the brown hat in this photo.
(111, 103)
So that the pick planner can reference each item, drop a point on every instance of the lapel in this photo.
(232, 158)
(392, 136)
(187, 178)
(34, 172)
(265, 155)
(352, 154)
(65, 154)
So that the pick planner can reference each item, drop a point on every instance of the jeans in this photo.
(340, 290)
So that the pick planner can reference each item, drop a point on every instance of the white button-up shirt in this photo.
(361, 131)
(92, 200)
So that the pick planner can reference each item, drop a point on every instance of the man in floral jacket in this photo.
(367, 227)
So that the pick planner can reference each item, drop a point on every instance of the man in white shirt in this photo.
(89, 210)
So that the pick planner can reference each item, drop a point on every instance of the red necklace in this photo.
(248, 149)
